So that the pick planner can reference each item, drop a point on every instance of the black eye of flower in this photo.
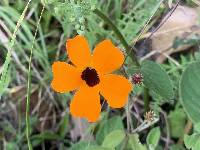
(90, 76)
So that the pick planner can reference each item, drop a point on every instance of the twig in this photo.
(59, 47)
(156, 51)
(167, 130)
(145, 125)
(127, 116)
(175, 29)
(145, 26)
(187, 129)
(46, 116)
(136, 114)
(163, 22)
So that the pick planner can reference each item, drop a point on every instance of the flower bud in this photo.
(137, 78)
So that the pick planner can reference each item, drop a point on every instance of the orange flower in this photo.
(90, 76)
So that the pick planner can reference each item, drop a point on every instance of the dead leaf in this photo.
(182, 24)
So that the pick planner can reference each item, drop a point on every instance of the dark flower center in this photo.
(90, 76)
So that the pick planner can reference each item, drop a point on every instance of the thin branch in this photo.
(163, 22)
(187, 129)
(167, 130)
(145, 125)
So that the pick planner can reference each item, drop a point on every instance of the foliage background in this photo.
(51, 125)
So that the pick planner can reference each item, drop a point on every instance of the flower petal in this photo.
(65, 77)
(86, 104)
(79, 51)
(115, 90)
(107, 57)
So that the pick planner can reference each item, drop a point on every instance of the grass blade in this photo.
(29, 86)
(3, 81)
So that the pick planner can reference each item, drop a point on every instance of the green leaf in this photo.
(83, 145)
(156, 79)
(113, 139)
(153, 138)
(46, 135)
(98, 148)
(197, 145)
(134, 143)
(107, 127)
(192, 141)
(88, 145)
(197, 56)
(194, 40)
(177, 119)
(63, 129)
(190, 91)
(11, 146)
(176, 147)
(197, 127)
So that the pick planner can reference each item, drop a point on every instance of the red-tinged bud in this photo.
(137, 78)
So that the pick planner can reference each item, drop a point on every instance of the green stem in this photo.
(119, 35)
(146, 99)
(187, 130)
(28, 108)
(29, 85)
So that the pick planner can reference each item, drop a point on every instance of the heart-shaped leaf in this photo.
(190, 91)
(156, 79)
(113, 139)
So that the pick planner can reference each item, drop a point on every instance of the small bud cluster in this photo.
(74, 12)
(149, 116)
(137, 78)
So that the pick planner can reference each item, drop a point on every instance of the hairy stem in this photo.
(146, 99)
(119, 35)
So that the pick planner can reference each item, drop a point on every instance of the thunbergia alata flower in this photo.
(90, 75)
